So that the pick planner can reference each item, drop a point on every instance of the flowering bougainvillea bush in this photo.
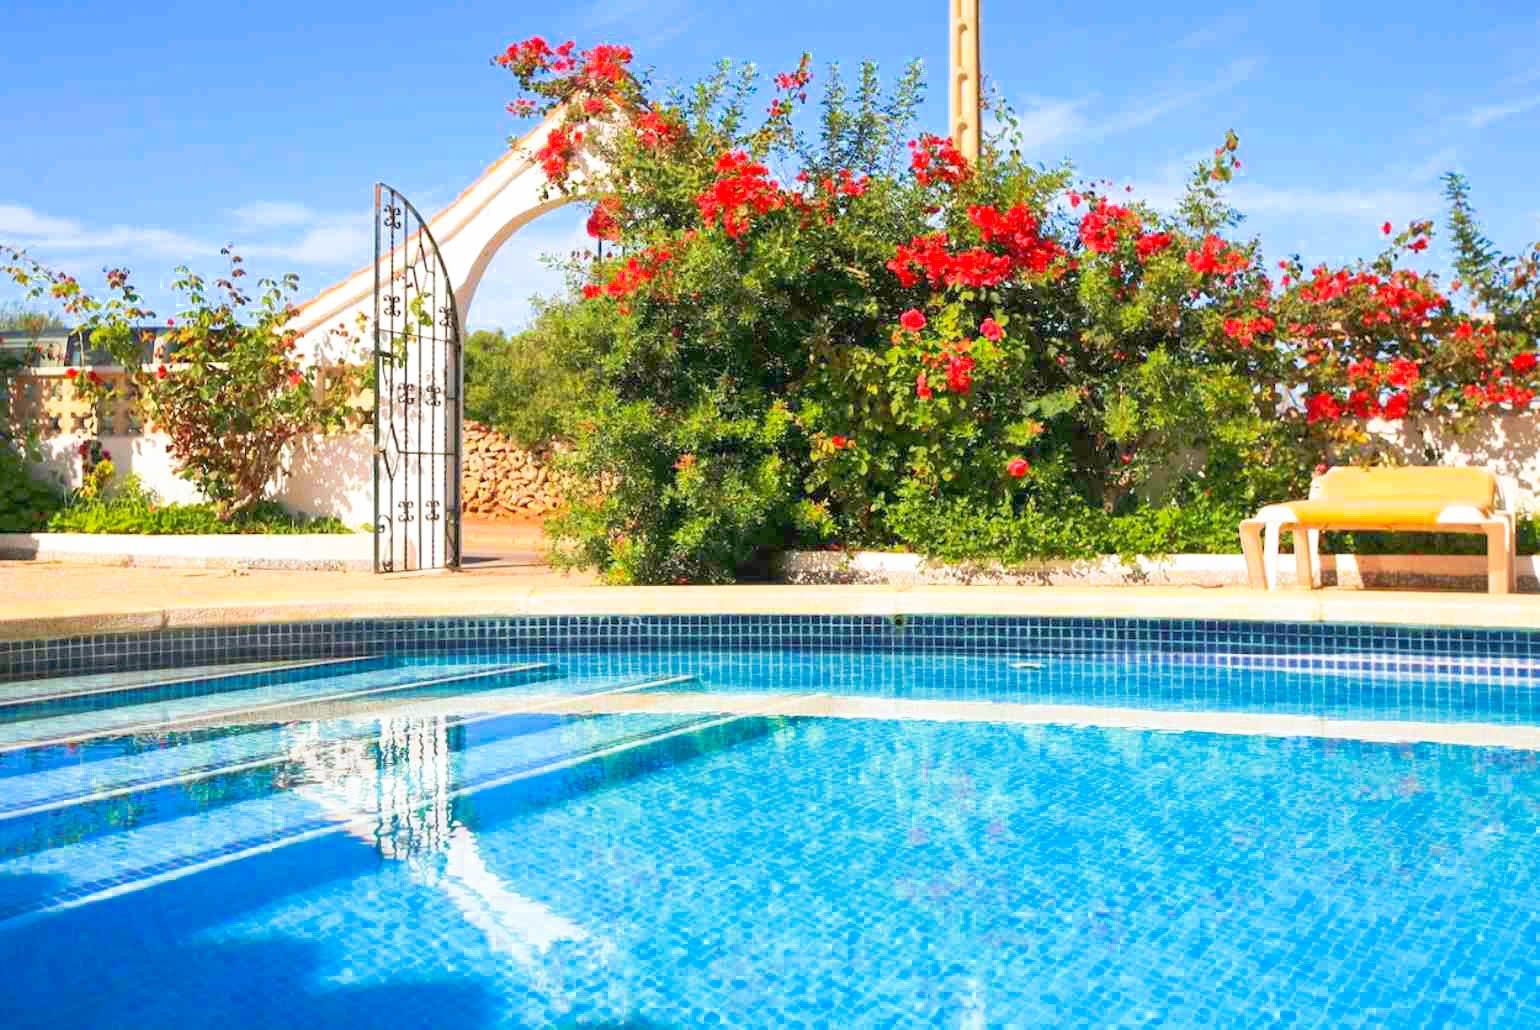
(837, 328)
(221, 381)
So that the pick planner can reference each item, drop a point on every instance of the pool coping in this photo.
(1393, 608)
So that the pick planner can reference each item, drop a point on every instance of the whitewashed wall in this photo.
(326, 475)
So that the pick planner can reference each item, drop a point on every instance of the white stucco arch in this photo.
(470, 230)
(335, 475)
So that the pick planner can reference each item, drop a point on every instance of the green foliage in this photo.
(520, 385)
(27, 501)
(127, 507)
(224, 384)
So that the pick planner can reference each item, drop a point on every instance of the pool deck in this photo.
(46, 600)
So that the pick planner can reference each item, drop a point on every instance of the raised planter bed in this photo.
(336, 552)
(1451, 572)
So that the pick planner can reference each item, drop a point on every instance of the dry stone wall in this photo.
(502, 479)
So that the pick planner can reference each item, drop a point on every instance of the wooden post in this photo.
(964, 85)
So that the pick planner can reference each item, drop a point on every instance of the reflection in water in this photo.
(394, 792)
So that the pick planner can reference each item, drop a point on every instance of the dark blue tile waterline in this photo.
(1197, 639)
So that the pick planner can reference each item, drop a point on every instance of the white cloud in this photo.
(1156, 107)
(1394, 204)
(33, 230)
(270, 213)
(1049, 121)
(1481, 117)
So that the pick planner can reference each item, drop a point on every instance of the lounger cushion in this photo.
(1371, 514)
(1473, 486)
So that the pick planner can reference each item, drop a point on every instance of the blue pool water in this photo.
(428, 841)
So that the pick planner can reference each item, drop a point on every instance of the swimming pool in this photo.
(771, 821)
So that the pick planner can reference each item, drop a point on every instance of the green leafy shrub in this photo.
(223, 382)
(519, 385)
(127, 507)
(27, 500)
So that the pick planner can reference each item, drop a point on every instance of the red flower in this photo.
(295, 378)
(160, 373)
(1018, 467)
(93, 377)
(1321, 407)
(912, 320)
(592, 290)
(601, 223)
(685, 461)
(840, 442)
(1525, 362)
(1151, 243)
(1420, 243)
(1397, 405)
(1385, 228)
(959, 373)
(933, 158)
(1403, 372)
(991, 330)
(71, 373)
(922, 388)
(1102, 225)
(1074, 199)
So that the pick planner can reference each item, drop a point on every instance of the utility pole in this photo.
(964, 107)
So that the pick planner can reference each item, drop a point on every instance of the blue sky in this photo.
(149, 134)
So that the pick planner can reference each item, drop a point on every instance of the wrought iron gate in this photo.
(417, 394)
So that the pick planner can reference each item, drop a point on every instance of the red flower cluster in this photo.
(743, 190)
(958, 365)
(1245, 331)
(560, 148)
(1151, 243)
(839, 443)
(1102, 226)
(1018, 467)
(935, 159)
(1019, 231)
(602, 224)
(606, 63)
(653, 130)
(637, 272)
(536, 55)
(522, 107)
(912, 320)
(991, 330)
(1216, 257)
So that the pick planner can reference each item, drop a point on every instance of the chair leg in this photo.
(1500, 548)
(1270, 554)
(1251, 547)
(1304, 557)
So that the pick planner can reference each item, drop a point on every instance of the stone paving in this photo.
(40, 599)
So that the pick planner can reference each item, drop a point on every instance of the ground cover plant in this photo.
(830, 327)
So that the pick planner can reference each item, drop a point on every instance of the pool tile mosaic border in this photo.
(1305, 645)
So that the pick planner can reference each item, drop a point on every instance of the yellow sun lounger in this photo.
(1413, 499)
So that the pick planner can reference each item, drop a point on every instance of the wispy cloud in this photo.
(31, 229)
(264, 214)
(1048, 120)
(1160, 105)
(1481, 117)
(1212, 31)
(653, 22)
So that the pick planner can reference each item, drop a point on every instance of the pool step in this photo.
(72, 693)
(72, 804)
(64, 786)
(408, 804)
(268, 702)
